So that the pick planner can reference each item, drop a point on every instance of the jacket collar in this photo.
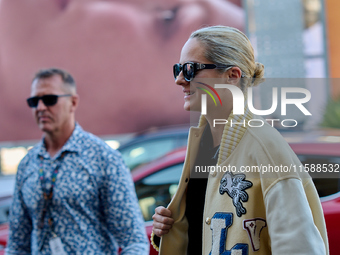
(232, 133)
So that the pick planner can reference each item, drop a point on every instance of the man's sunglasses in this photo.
(48, 100)
(190, 69)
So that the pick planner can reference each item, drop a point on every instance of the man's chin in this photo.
(44, 127)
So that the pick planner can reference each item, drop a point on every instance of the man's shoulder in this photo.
(30, 156)
(91, 141)
(32, 152)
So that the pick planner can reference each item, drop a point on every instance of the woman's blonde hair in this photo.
(229, 46)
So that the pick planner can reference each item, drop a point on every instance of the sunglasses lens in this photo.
(32, 101)
(188, 71)
(177, 70)
(49, 100)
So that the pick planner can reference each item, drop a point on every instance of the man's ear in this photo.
(75, 101)
(233, 75)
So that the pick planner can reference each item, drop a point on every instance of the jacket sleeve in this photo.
(290, 221)
(294, 214)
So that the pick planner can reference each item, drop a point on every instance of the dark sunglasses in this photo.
(48, 100)
(190, 69)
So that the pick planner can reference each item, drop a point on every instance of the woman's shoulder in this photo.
(266, 136)
(267, 144)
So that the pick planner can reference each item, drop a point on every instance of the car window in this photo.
(157, 189)
(182, 141)
(147, 151)
(327, 183)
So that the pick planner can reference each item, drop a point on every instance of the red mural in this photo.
(120, 53)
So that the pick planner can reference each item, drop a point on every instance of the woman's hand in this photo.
(162, 221)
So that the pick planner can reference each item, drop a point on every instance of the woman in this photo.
(235, 212)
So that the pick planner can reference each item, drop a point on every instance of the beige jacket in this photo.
(251, 212)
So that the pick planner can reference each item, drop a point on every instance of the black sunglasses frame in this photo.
(178, 68)
(48, 100)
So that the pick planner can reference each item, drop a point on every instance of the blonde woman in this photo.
(234, 212)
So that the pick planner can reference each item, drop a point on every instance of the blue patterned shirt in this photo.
(94, 206)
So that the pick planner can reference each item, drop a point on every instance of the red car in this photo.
(157, 182)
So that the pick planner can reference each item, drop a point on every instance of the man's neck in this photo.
(55, 141)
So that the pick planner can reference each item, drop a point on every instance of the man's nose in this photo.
(41, 105)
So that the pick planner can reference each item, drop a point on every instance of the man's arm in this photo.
(20, 224)
(122, 212)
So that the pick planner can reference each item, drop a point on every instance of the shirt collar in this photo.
(72, 144)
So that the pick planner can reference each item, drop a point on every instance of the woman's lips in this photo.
(188, 93)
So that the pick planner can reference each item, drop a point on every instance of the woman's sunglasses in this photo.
(190, 69)
(48, 100)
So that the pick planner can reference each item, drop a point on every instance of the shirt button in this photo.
(196, 135)
(207, 221)
(213, 173)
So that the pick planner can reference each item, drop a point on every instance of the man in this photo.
(73, 193)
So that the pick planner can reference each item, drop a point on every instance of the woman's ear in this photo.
(233, 75)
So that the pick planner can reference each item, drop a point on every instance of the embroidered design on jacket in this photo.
(235, 186)
(254, 228)
(220, 224)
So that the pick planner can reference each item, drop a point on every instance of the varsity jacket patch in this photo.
(254, 228)
(220, 224)
(235, 186)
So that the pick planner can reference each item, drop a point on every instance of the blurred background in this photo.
(121, 55)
